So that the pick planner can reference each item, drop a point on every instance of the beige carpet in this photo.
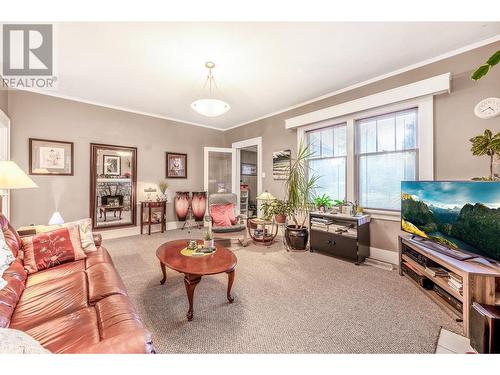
(284, 303)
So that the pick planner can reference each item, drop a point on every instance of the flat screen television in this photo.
(458, 215)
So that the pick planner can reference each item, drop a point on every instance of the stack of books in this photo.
(436, 271)
(455, 282)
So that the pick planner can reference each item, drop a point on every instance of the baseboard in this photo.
(119, 233)
(133, 231)
(384, 255)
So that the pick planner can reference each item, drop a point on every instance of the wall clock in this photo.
(487, 108)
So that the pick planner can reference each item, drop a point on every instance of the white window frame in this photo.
(425, 143)
(332, 157)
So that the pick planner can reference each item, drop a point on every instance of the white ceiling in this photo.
(262, 68)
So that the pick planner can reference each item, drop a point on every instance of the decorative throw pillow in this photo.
(46, 250)
(6, 258)
(230, 213)
(86, 235)
(13, 341)
(220, 216)
(84, 227)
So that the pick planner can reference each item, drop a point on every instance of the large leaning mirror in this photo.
(113, 175)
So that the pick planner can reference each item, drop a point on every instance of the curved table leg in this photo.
(190, 282)
(164, 273)
(230, 280)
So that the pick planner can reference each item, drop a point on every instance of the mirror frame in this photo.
(94, 147)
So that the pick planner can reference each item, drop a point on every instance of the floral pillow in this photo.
(6, 258)
(46, 250)
(84, 227)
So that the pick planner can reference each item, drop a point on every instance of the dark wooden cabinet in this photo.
(346, 237)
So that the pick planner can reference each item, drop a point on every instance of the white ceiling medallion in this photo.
(210, 107)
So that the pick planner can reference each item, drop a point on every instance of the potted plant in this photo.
(323, 202)
(163, 185)
(278, 208)
(208, 240)
(299, 186)
(489, 145)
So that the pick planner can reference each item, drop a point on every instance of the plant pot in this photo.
(209, 244)
(321, 208)
(280, 219)
(296, 237)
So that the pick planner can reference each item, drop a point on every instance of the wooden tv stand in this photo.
(481, 283)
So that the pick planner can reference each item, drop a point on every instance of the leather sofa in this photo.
(76, 307)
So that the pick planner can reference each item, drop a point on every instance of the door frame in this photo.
(5, 155)
(237, 146)
(206, 150)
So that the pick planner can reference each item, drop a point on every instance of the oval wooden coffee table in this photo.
(194, 267)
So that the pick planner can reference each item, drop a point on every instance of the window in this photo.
(329, 159)
(386, 153)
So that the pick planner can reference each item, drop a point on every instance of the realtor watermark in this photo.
(28, 56)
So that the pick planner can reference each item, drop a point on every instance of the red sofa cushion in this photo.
(50, 249)
(11, 237)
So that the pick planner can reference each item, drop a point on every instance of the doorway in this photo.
(248, 171)
(223, 171)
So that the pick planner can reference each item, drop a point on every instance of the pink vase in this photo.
(181, 204)
(199, 204)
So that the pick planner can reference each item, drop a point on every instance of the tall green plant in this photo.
(300, 185)
(486, 144)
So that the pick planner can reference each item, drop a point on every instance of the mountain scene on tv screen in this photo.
(460, 215)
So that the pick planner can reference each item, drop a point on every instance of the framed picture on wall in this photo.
(281, 164)
(176, 165)
(248, 169)
(111, 165)
(48, 157)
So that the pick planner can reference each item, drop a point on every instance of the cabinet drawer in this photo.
(337, 245)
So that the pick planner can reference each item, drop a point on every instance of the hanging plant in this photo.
(485, 68)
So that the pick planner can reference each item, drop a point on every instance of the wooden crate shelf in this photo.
(481, 283)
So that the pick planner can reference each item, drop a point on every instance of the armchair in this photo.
(236, 231)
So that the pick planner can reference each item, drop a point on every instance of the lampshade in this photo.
(13, 177)
(210, 107)
(56, 218)
(266, 196)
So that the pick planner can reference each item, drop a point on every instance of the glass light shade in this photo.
(56, 219)
(210, 107)
(13, 177)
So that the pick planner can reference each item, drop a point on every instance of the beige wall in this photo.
(3, 100)
(454, 124)
(40, 116)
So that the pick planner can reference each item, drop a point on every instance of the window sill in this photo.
(384, 215)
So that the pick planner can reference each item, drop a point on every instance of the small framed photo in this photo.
(111, 165)
(176, 165)
(248, 169)
(48, 157)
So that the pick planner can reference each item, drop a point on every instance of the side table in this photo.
(263, 232)
(149, 220)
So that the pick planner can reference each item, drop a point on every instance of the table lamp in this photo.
(266, 197)
(149, 191)
(12, 177)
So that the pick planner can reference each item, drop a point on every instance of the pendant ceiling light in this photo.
(210, 106)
